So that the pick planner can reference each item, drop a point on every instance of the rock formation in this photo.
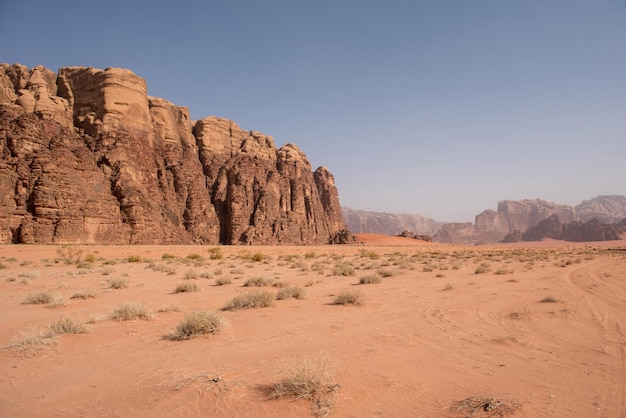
(577, 231)
(88, 157)
(606, 209)
(367, 222)
(492, 226)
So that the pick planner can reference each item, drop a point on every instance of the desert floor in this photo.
(529, 330)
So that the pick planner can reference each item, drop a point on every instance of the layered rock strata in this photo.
(88, 157)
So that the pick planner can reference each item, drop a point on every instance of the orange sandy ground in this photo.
(430, 335)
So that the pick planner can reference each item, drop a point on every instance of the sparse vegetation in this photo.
(131, 310)
(191, 274)
(133, 258)
(198, 323)
(257, 282)
(343, 269)
(287, 292)
(549, 299)
(187, 287)
(251, 299)
(221, 281)
(370, 279)
(69, 254)
(307, 379)
(215, 253)
(118, 283)
(167, 256)
(349, 297)
(67, 326)
(41, 298)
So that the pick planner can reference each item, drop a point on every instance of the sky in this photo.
(433, 107)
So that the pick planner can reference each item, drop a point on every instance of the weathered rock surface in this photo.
(577, 231)
(492, 226)
(368, 222)
(88, 157)
(606, 209)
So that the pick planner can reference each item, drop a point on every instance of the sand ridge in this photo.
(541, 329)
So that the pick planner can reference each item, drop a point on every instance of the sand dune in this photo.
(540, 333)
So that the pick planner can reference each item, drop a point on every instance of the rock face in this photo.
(366, 222)
(511, 215)
(578, 231)
(606, 209)
(88, 157)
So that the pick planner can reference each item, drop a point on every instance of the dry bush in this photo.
(172, 307)
(69, 254)
(307, 379)
(67, 326)
(257, 282)
(129, 311)
(370, 279)
(87, 294)
(349, 297)
(191, 274)
(486, 406)
(187, 287)
(167, 256)
(221, 281)
(215, 253)
(251, 299)
(41, 298)
(287, 292)
(385, 272)
(133, 258)
(549, 299)
(343, 269)
(118, 283)
(31, 341)
(198, 323)
(194, 256)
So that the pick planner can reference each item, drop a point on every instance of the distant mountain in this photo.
(552, 227)
(606, 209)
(366, 222)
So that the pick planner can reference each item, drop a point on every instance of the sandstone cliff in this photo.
(606, 209)
(577, 231)
(368, 222)
(88, 157)
(511, 215)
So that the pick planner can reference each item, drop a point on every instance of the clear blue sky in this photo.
(438, 107)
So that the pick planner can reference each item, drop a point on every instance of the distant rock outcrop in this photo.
(606, 209)
(577, 231)
(368, 222)
(88, 157)
(511, 215)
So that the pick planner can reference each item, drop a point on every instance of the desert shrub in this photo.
(221, 281)
(133, 258)
(2, 266)
(88, 294)
(215, 253)
(191, 274)
(167, 256)
(172, 307)
(370, 279)
(385, 272)
(198, 323)
(481, 270)
(69, 254)
(194, 256)
(343, 269)
(257, 282)
(30, 275)
(310, 255)
(287, 292)
(67, 326)
(118, 283)
(503, 271)
(251, 299)
(308, 379)
(257, 257)
(32, 340)
(369, 254)
(187, 287)
(41, 298)
(448, 287)
(318, 266)
(549, 299)
(131, 310)
(349, 297)
(90, 258)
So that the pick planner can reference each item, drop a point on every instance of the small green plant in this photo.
(287, 292)
(349, 297)
(131, 310)
(215, 253)
(187, 287)
(251, 299)
(198, 323)
(370, 279)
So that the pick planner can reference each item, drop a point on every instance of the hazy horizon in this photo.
(434, 108)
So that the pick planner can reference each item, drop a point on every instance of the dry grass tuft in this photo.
(187, 287)
(371, 278)
(198, 323)
(31, 341)
(67, 326)
(118, 283)
(41, 298)
(486, 406)
(129, 311)
(252, 299)
(287, 292)
(87, 294)
(257, 282)
(308, 379)
(349, 297)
